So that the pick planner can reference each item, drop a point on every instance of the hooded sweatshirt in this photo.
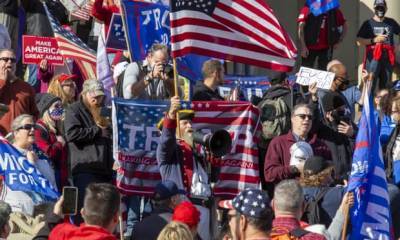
(68, 231)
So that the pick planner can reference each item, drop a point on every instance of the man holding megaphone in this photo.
(180, 160)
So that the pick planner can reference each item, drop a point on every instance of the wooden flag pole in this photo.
(121, 10)
(346, 221)
(176, 94)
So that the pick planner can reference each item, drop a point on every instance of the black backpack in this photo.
(312, 210)
(120, 82)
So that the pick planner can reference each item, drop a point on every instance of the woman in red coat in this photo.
(48, 137)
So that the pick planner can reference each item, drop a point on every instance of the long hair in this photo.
(315, 180)
(55, 88)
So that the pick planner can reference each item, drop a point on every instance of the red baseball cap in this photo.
(64, 77)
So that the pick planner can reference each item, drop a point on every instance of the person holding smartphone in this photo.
(377, 35)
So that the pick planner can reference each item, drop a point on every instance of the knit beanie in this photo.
(187, 213)
(44, 101)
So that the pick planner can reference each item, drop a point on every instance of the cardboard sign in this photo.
(37, 48)
(307, 76)
(116, 34)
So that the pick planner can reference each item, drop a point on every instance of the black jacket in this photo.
(341, 147)
(150, 227)
(202, 93)
(88, 151)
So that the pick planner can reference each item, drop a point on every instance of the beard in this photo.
(95, 112)
(188, 138)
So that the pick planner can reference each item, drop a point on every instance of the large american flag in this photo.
(136, 139)
(243, 31)
(73, 47)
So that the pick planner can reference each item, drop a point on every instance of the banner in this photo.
(20, 175)
(146, 23)
(35, 49)
(136, 138)
(116, 34)
(370, 215)
(318, 7)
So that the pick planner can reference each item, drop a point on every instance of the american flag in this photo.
(73, 47)
(136, 138)
(135, 144)
(236, 30)
(83, 13)
(239, 168)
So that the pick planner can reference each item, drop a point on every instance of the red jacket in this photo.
(67, 231)
(282, 225)
(277, 159)
(19, 96)
(55, 151)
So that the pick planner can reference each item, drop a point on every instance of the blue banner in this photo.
(20, 175)
(318, 7)
(116, 34)
(146, 23)
(370, 216)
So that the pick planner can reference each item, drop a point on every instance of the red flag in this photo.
(236, 30)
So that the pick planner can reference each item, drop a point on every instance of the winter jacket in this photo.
(55, 151)
(277, 159)
(203, 93)
(68, 231)
(19, 96)
(89, 151)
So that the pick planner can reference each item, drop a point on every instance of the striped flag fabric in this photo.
(236, 30)
(73, 47)
(83, 13)
(370, 215)
(136, 138)
(239, 168)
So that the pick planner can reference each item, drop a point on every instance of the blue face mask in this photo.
(56, 114)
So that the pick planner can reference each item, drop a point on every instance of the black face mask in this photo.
(380, 12)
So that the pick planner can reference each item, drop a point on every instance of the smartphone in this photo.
(70, 204)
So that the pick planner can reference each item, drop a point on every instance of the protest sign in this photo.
(20, 175)
(307, 76)
(35, 49)
(116, 34)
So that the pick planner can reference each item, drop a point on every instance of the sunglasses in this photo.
(304, 116)
(27, 127)
(6, 59)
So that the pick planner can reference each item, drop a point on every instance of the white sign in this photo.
(307, 76)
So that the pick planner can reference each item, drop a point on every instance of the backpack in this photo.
(312, 214)
(280, 233)
(120, 81)
(275, 118)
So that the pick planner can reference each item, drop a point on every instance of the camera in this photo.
(167, 69)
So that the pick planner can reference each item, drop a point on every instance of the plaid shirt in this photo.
(282, 225)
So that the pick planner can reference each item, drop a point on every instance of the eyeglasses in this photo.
(27, 127)
(343, 80)
(6, 59)
(304, 116)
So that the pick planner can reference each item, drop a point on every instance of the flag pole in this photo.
(346, 220)
(176, 94)
(121, 10)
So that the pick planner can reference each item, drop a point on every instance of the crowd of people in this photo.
(56, 120)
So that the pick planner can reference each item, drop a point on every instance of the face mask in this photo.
(56, 114)
(380, 12)
(394, 120)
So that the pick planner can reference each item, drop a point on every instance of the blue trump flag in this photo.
(318, 7)
(20, 175)
(148, 23)
(370, 216)
(116, 34)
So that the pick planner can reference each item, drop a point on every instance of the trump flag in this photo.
(370, 216)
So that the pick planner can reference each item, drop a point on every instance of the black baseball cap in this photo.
(315, 165)
(166, 189)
